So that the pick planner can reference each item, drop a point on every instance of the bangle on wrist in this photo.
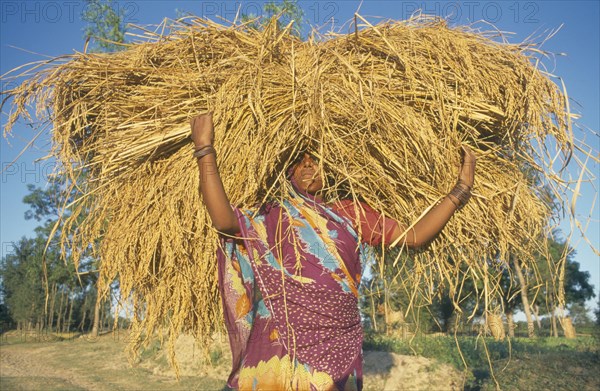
(199, 147)
(462, 192)
(462, 183)
(456, 203)
(203, 151)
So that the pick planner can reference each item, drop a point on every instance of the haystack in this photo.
(385, 109)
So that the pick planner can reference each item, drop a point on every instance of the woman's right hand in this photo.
(467, 170)
(203, 133)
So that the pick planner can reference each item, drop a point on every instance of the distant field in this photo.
(70, 362)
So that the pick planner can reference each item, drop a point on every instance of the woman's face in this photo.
(306, 175)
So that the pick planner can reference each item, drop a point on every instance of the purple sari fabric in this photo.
(289, 284)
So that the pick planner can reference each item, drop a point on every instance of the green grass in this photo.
(522, 364)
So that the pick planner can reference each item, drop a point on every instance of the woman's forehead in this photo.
(302, 155)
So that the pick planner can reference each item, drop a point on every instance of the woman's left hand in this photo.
(467, 171)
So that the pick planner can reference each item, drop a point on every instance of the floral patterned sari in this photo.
(289, 284)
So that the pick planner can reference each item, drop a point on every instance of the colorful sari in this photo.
(289, 284)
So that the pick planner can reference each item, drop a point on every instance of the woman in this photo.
(289, 274)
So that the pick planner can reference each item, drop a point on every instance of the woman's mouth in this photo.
(308, 176)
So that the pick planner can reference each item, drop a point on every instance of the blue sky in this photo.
(52, 28)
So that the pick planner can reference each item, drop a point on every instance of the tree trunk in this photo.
(32, 325)
(84, 313)
(95, 327)
(525, 299)
(495, 326)
(565, 323)
(373, 313)
(65, 312)
(568, 328)
(453, 323)
(102, 317)
(386, 314)
(60, 308)
(51, 312)
(554, 326)
(68, 325)
(36, 325)
(511, 324)
(536, 314)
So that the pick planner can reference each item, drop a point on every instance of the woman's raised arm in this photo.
(433, 222)
(211, 187)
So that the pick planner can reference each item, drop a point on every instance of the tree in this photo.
(576, 283)
(105, 24)
(289, 10)
(39, 287)
(6, 321)
(597, 312)
(579, 313)
(511, 298)
(524, 297)
(21, 286)
(577, 286)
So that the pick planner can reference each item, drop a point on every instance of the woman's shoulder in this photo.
(267, 207)
(343, 203)
(347, 208)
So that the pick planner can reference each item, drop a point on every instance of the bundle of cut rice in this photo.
(385, 109)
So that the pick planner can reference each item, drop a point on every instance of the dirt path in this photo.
(83, 364)
(33, 367)
(102, 365)
(390, 371)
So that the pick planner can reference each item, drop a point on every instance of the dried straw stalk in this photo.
(385, 109)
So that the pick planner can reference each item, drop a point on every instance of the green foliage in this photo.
(21, 287)
(22, 270)
(289, 10)
(105, 23)
(36, 264)
(432, 314)
(41, 202)
(577, 286)
(439, 314)
(6, 320)
(597, 312)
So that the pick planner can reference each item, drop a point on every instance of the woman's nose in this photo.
(307, 160)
